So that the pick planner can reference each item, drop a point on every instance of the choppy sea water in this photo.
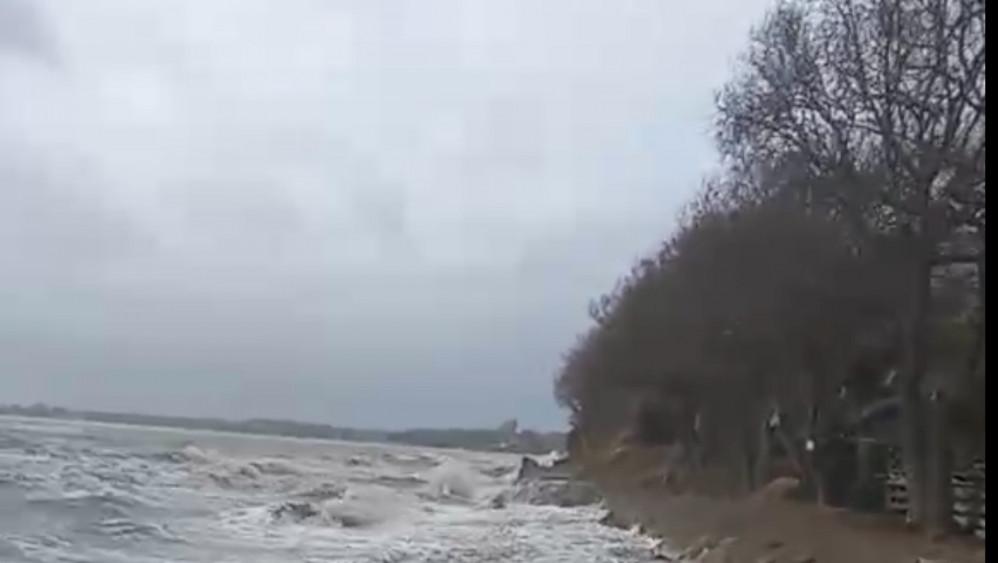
(89, 493)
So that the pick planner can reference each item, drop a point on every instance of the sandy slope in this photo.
(769, 528)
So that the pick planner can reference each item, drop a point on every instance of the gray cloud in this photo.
(371, 213)
(23, 32)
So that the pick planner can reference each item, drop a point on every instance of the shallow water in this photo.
(91, 493)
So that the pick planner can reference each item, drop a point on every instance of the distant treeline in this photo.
(499, 439)
(836, 260)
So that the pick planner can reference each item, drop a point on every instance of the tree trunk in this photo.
(978, 350)
(913, 371)
(802, 462)
(747, 469)
(764, 455)
(938, 507)
(913, 452)
(982, 284)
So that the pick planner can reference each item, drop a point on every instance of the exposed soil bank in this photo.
(769, 528)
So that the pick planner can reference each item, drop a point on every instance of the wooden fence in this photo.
(968, 496)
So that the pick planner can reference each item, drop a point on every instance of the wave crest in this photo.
(453, 479)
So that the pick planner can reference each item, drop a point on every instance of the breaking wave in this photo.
(132, 495)
(453, 479)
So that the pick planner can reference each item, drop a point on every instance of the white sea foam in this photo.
(453, 479)
(222, 498)
(549, 459)
(197, 455)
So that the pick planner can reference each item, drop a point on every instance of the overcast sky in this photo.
(375, 213)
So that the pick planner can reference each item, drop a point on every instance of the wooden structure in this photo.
(863, 470)
(968, 496)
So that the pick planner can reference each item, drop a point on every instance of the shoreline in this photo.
(470, 439)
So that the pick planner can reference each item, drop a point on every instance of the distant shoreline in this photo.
(497, 440)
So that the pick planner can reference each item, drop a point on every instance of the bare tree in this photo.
(853, 182)
(874, 110)
(755, 307)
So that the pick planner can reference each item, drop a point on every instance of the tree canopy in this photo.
(841, 240)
